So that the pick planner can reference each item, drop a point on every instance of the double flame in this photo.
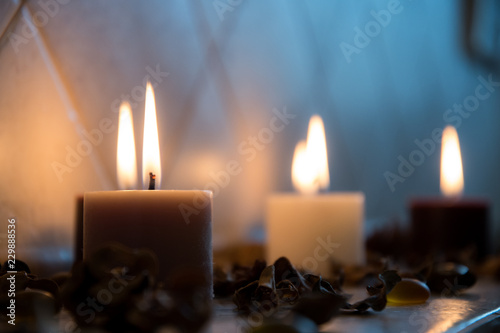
(310, 161)
(126, 157)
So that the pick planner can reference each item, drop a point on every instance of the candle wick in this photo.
(152, 180)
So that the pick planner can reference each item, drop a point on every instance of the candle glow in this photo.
(310, 162)
(298, 223)
(452, 180)
(151, 147)
(159, 221)
(125, 157)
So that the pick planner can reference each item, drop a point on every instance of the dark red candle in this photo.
(447, 226)
(451, 224)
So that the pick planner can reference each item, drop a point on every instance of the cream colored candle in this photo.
(312, 229)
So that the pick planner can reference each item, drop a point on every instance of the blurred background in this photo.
(385, 75)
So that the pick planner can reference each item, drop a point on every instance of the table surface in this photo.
(439, 314)
(459, 314)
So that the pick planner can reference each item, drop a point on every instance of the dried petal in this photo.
(284, 270)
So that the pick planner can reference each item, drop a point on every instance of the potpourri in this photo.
(117, 290)
(114, 290)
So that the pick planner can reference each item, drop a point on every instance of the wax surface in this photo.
(154, 220)
(447, 225)
(313, 230)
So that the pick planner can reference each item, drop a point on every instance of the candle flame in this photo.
(310, 161)
(151, 147)
(452, 180)
(125, 153)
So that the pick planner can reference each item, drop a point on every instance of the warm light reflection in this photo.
(452, 312)
(310, 161)
(125, 156)
(452, 180)
(151, 147)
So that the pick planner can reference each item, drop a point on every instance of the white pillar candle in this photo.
(175, 225)
(311, 229)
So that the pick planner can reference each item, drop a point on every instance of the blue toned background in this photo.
(221, 68)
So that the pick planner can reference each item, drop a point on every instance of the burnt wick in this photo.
(152, 180)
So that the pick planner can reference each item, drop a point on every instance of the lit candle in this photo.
(175, 225)
(452, 223)
(312, 229)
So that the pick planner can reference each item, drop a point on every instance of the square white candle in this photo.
(313, 230)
